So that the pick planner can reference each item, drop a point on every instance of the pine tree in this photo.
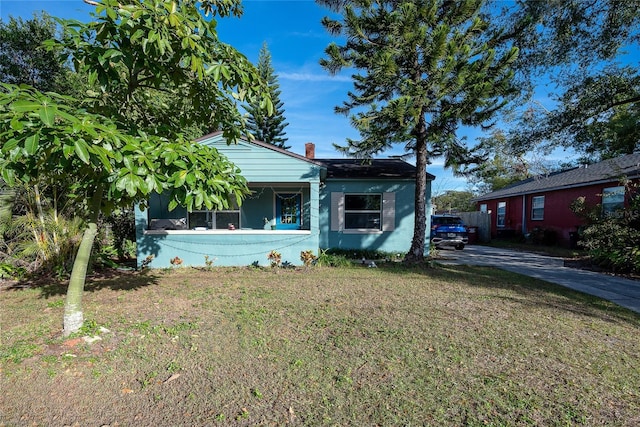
(421, 68)
(264, 127)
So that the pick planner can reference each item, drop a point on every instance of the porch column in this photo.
(314, 213)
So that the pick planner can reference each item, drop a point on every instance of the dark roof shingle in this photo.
(605, 171)
(375, 168)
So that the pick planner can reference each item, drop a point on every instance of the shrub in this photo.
(275, 257)
(307, 257)
(613, 245)
(123, 231)
(327, 259)
(613, 240)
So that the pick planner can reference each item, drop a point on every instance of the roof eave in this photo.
(553, 188)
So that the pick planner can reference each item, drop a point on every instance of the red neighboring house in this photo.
(543, 202)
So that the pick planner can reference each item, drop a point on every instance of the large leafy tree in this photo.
(454, 201)
(503, 164)
(158, 66)
(598, 116)
(24, 59)
(580, 33)
(265, 127)
(36, 235)
(579, 45)
(421, 69)
(115, 152)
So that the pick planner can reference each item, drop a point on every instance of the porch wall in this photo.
(267, 172)
(223, 247)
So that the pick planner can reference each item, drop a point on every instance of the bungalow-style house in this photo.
(297, 203)
(543, 202)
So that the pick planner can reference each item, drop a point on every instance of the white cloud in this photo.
(313, 77)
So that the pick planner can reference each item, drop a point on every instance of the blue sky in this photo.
(296, 40)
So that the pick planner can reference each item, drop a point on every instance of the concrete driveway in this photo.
(624, 292)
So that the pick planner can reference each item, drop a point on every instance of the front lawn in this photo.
(358, 346)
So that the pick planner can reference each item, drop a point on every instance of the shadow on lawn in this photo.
(114, 279)
(537, 292)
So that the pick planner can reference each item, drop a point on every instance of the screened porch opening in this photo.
(271, 206)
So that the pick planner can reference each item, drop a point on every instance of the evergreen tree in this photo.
(425, 67)
(264, 127)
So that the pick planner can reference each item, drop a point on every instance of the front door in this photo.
(288, 211)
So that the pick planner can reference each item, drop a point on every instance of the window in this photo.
(215, 220)
(502, 213)
(537, 208)
(612, 200)
(483, 208)
(362, 211)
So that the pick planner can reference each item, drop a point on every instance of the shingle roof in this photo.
(605, 171)
(375, 168)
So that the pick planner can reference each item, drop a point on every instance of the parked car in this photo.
(448, 230)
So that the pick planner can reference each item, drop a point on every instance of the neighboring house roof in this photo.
(602, 172)
(370, 169)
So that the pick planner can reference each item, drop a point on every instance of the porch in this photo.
(275, 216)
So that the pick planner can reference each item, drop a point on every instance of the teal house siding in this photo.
(276, 179)
(394, 238)
(297, 203)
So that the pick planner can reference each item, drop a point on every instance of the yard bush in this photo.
(612, 239)
(613, 245)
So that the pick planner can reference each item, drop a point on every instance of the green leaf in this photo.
(16, 124)
(48, 115)
(122, 182)
(199, 199)
(132, 185)
(82, 150)
(179, 178)
(138, 34)
(67, 151)
(111, 13)
(22, 106)
(9, 176)
(9, 145)
(31, 144)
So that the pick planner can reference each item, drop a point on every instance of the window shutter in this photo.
(388, 211)
(337, 211)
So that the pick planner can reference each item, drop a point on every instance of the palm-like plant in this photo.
(40, 236)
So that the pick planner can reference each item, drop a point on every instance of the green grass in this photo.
(389, 346)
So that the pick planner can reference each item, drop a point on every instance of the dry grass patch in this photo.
(355, 346)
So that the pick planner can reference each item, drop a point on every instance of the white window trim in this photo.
(361, 211)
(504, 215)
(534, 208)
(387, 216)
(612, 192)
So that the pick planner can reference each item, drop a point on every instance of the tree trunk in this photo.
(416, 252)
(73, 316)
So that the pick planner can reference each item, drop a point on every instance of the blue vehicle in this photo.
(448, 230)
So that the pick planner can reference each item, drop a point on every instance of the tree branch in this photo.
(624, 102)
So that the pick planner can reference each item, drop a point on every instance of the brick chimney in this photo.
(310, 150)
